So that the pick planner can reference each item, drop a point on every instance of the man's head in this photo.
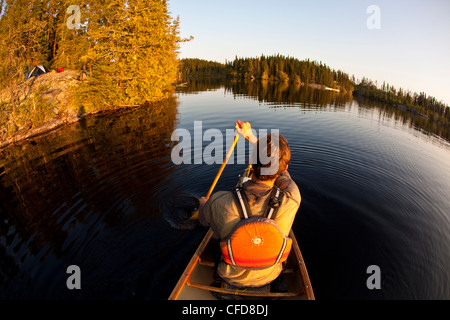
(273, 156)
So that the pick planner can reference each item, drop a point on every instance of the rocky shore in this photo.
(53, 88)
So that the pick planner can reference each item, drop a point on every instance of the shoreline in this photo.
(43, 129)
(43, 104)
(54, 89)
(73, 117)
(55, 124)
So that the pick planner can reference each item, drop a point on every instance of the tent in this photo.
(37, 71)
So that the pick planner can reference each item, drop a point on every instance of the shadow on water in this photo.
(90, 194)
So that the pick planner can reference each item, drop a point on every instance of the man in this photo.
(221, 211)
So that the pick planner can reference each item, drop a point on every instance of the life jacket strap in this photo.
(275, 200)
(230, 252)
(276, 197)
(243, 206)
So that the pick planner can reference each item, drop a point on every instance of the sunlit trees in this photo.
(274, 68)
(132, 53)
(129, 47)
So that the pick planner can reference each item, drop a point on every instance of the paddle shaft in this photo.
(224, 163)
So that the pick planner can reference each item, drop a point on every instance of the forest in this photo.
(129, 49)
(418, 104)
(279, 68)
(271, 68)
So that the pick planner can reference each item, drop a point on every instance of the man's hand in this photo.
(203, 201)
(245, 130)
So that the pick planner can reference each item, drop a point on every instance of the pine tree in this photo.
(72, 43)
(20, 32)
(132, 52)
(129, 46)
(265, 70)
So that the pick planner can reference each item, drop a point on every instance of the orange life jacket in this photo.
(256, 242)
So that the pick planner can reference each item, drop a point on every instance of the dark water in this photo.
(97, 194)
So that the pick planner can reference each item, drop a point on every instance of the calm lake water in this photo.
(97, 194)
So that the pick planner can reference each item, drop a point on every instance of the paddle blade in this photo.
(178, 211)
(194, 217)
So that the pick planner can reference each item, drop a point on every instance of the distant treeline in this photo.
(419, 104)
(271, 68)
(280, 68)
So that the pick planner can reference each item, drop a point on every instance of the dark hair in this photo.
(277, 157)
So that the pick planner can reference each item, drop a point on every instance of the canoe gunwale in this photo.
(185, 279)
(192, 263)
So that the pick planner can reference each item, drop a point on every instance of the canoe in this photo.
(195, 282)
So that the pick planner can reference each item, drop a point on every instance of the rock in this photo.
(53, 88)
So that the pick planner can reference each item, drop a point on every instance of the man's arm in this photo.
(245, 130)
(202, 216)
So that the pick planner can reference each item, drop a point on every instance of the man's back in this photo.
(222, 215)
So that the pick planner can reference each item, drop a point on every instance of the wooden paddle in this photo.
(224, 163)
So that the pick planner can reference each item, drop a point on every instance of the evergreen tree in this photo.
(265, 70)
(132, 52)
(73, 43)
(277, 68)
(130, 47)
(20, 42)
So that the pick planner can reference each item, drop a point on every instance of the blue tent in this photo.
(37, 71)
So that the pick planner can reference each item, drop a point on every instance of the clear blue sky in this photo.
(411, 50)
